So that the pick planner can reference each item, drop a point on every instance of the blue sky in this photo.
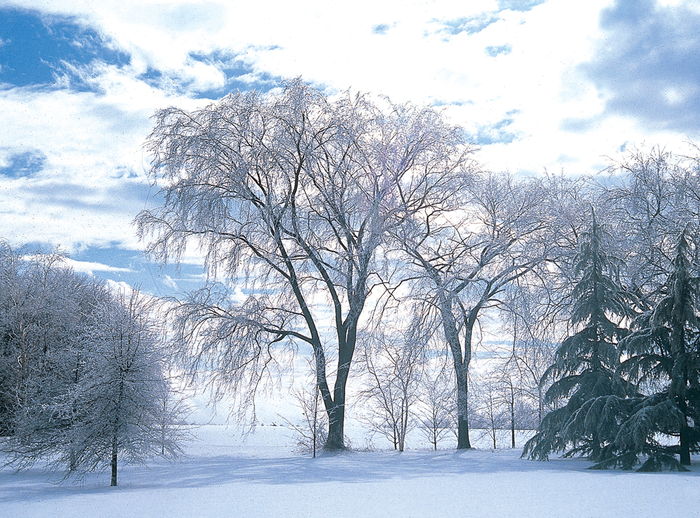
(539, 84)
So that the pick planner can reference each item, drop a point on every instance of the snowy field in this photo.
(226, 475)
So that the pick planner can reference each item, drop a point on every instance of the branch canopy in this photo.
(292, 197)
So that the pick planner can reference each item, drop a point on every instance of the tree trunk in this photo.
(336, 412)
(73, 465)
(462, 409)
(463, 434)
(461, 361)
(336, 428)
(685, 446)
(114, 463)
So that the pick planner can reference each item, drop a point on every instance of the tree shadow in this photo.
(346, 467)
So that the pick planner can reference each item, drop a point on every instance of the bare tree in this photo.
(509, 392)
(464, 253)
(436, 410)
(655, 196)
(393, 362)
(531, 315)
(311, 434)
(291, 197)
(490, 414)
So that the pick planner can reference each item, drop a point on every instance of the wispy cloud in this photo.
(469, 25)
(381, 28)
(497, 50)
(90, 267)
(519, 5)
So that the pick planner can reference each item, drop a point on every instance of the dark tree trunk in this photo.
(73, 461)
(336, 413)
(463, 433)
(113, 482)
(347, 337)
(336, 428)
(463, 407)
(685, 446)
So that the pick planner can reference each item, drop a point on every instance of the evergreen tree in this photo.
(583, 372)
(663, 354)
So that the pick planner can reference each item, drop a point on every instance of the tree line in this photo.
(366, 233)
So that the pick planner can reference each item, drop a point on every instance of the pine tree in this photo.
(583, 372)
(663, 354)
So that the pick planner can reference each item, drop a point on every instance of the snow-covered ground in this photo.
(226, 475)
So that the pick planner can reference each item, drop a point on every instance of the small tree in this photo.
(509, 394)
(530, 315)
(312, 432)
(121, 403)
(436, 411)
(490, 415)
(393, 362)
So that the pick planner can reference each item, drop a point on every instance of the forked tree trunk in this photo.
(347, 338)
(461, 365)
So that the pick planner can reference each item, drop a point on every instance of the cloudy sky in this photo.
(538, 84)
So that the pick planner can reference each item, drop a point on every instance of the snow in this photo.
(227, 474)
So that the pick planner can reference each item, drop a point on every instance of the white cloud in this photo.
(119, 287)
(93, 140)
(170, 283)
(91, 267)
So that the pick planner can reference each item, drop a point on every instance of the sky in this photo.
(539, 85)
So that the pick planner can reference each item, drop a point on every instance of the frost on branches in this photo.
(90, 386)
